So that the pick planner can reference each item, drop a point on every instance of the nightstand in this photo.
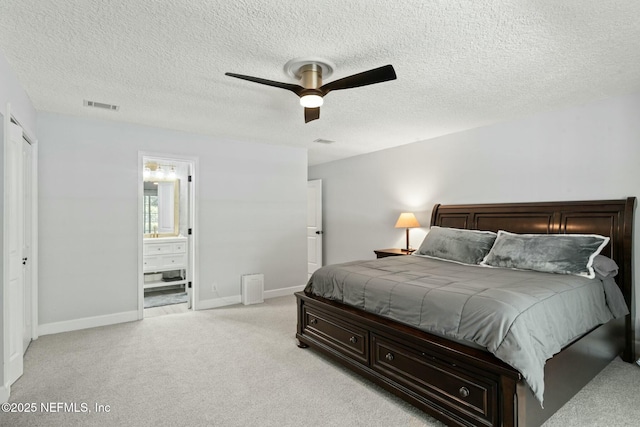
(383, 253)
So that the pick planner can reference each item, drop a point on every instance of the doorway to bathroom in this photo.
(167, 235)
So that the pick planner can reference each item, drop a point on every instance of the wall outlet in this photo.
(214, 288)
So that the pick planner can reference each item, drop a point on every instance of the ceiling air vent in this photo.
(101, 105)
(323, 141)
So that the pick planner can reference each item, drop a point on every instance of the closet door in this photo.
(27, 241)
(14, 230)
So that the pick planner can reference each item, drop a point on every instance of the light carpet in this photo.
(239, 366)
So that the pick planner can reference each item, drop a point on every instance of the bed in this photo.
(463, 384)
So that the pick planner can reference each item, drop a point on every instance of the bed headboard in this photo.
(612, 218)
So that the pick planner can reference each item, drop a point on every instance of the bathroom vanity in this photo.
(161, 255)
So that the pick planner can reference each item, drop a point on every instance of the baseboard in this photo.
(237, 299)
(132, 316)
(5, 391)
(218, 302)
(87, 322)
(283, 292)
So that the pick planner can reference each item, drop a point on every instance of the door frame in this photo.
(9, 118)
(192, 240)
(29, 270)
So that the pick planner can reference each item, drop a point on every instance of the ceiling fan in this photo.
(311, 90)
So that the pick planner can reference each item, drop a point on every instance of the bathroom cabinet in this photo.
(161, 255)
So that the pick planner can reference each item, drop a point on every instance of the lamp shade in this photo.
(407, 220)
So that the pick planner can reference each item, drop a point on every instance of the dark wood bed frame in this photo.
(461, 385)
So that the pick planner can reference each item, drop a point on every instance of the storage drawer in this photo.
(157, 248)
(179, 248)
(346, 339)
(150, 263)
(432, 376)
(173, 261)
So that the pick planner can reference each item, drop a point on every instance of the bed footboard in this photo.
(456, 384)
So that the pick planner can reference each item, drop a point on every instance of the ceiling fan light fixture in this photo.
(311, 101)
(311, 90)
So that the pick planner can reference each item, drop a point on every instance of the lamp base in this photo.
(407, 247)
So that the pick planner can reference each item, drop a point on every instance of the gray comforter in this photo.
(522, 317)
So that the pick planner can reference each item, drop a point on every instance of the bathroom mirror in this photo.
(161, 208)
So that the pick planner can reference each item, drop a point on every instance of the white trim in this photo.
(5, 392)
(194, 218)
(193, 214)
(34, 239)
(5, 251)
(219, 302)
(87, 322)
(283, 292)
(140, 182)
(237, 299)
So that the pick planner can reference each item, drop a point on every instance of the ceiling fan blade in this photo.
(377, 75)
(288, 86)
(311, 114)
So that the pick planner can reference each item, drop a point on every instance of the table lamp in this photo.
(407, 220)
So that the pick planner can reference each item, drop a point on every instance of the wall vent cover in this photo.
(101, 105)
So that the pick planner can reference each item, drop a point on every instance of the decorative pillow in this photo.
(454, 244)
(550, 253)
(604, 267)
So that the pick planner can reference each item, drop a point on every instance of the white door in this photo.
(14, 230)
(27, 251)
(314, 225)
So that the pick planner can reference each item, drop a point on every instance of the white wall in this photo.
(582, 153)
(252, 214)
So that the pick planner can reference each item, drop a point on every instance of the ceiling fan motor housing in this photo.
(310, 76)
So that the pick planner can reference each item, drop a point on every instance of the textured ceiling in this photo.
(460, 64)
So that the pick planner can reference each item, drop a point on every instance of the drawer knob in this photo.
(389, 357)
(313, 321)
(353, 340)
(464, 392)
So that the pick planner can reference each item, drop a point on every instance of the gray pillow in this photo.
(454, 244)
(604, 267)
(550, 253)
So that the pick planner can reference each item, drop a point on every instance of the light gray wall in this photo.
(582, 153)
(252, 213)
